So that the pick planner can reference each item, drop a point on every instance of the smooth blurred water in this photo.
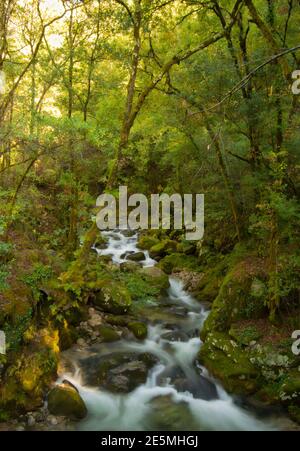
(206, 403)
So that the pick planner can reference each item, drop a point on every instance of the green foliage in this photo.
(15, 331)
(139, 288)
(36, 278)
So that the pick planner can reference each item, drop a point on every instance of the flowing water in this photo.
(178, 394)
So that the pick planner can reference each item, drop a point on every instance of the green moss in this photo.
(108, 334)
(210, 284)
(112, 297)
(186, 247)
(234, 301)
(140, 288)
(27, 379)
(244, 335)
(118, 320)
(179, 262)
(156, 278)
(163, 248)
(138, 329)
(146, 242)
(65, 400)
(228, 362)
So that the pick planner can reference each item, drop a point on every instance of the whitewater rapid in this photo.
(203, 399)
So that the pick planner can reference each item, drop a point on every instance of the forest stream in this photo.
(178, 393)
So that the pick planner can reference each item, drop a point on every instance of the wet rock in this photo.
(69, 384)
(108, 334)
(196, 384)
(126, 254)
(146, 242)
(186, 247)
(139, 329)
(163, 248)
(118, 372)
(101, 243)
(128, 233)
(65, 400)
(113, 297)
(168, 415)
(130, 266)
(137, 257)
(175, 336)
(229, 363)
(156, 277)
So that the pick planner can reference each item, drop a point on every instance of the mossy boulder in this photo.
(168, 415)
(139, 329)
(156, 277)
(65, 400)
(186, 247)
(101, 242)
(163, 248)
(136, 257)
(118, 372)
(146, 242)
(108, 334)
(226, 361)
(210, 284)
(118, 320)
(112, 297)
(245, 335)
(25, 382)
(178, 262)
(290, 388)
(130, 266)
(235, 300)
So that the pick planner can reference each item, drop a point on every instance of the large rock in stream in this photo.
(112, 297)
(65, 400)
(117, 372)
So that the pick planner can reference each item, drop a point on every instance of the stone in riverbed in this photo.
(112, 297)
(65, 400)
(137, 257)
(169, 415)
(108, 334)
(138, 329)
(128, 233)
(118, 372)
(130, 266)
(156, 277)
(163, 248)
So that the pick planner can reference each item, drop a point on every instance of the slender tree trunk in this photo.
(73, 240)
(131, 90)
